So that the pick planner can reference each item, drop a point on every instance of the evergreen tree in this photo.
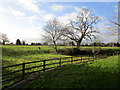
(18, 42)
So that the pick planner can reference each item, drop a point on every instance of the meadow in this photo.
(15, 54)
(104, 73)
(19, 54)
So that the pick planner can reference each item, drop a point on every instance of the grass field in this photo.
(104, 73)
(18, 54)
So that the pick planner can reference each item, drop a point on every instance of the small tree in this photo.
(18, 42)
(23, 42)
(118, 44)
(4, 38)
(53, 31)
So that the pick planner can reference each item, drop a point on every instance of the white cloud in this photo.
(67, 17)
(2, 9)
(30, 5)
(77, 9)
(17, 13)
(71, 16)
(32, 18)
(57, 8)
(48, 17)
(12, 11)
(19, 28)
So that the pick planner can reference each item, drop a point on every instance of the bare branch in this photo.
(53, 31)
(82, 26)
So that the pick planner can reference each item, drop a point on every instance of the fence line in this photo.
(44, 66)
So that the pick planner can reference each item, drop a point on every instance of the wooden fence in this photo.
(7, 80)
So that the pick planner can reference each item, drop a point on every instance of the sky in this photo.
(25, 19)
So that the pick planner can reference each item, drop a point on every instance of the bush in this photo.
(69, 51)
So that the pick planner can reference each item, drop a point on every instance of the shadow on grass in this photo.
(78, 76)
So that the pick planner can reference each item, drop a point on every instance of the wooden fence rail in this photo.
(60, 62)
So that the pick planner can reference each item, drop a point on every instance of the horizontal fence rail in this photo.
(42, 67)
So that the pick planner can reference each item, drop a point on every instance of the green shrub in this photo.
(69, 51)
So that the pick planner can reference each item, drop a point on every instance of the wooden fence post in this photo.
(93, 57)
(81, 58)
(97, 56)
(71, 60)
(88, 57)
(44, 65)
(60, 62)
(23, 71)
(117, 53)
(105, 55)
(113, 54)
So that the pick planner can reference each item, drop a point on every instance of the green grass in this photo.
(15, 54)
(18, 54)
(102, 73)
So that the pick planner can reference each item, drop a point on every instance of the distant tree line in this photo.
(71, 43)
(111, 44)
(18, 42)
(4, 39)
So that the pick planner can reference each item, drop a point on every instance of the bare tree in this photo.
(3, 38)
(114, 22)
(116, 17)
(82, 27)
(53, 31)
(113, 27)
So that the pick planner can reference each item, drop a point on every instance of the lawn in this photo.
(104, 73)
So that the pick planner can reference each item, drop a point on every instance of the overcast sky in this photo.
(25, 19)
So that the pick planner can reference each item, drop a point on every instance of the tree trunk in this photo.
(3, 42)
(55, 46)
(78, 44)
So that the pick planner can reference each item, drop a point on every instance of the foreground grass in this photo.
(102, 73)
